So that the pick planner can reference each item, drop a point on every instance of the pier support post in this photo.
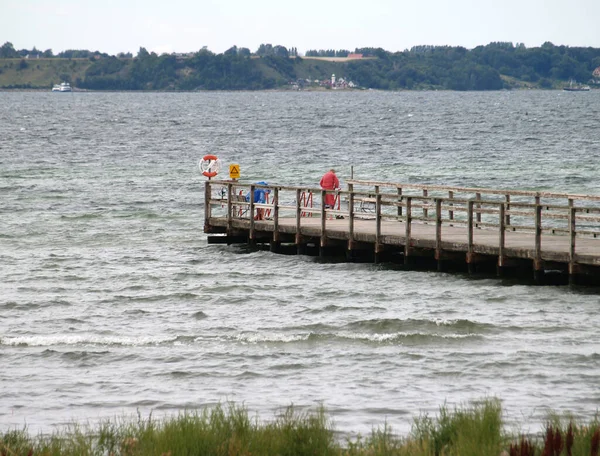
(441, 267)
(377, 258)
(538, 276)
(572, 278)
(350, 251)
(538, 271)
(350, 255)
(500, 272)
(300, 244)
(274, 246)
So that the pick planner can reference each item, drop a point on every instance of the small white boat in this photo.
(64, 87)
(573, 87)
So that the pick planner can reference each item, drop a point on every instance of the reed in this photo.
(475, 429)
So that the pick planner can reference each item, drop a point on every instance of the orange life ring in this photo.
(206, 172)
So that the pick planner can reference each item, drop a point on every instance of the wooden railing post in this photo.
(502, 238)
(438, 232)
(323, 219)
(538, 228)
(407, 229)
(438, 223)
(350, 216)
(230, 207)
(538, 269)
(572, 237)
(276, 214)
(252, 209)
(298, 216)
(470, 206)
(425, 202)
(478, 198)
(399, 201)
(470, 259)
(377, 221)
(451, 212)
(507, 198)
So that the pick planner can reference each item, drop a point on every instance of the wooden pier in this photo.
(540, 236)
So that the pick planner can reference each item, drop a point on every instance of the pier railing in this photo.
(539, 213)
(531, 211)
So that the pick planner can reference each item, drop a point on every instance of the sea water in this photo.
(112, 303)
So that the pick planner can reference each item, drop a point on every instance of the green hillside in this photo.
(118, 74)
(493, 67)
(40, 73)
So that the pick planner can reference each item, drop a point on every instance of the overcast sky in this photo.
(114, 26)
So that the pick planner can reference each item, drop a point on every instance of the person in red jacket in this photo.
(329, 181)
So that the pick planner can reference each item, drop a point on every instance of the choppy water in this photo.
(111, 301)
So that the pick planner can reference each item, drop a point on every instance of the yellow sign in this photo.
(234, 171)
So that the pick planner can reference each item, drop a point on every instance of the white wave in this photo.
(402, 335)
(83, 339)
(371, 337)
(271, 337)
(445, 322)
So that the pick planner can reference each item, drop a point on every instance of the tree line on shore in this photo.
(498, 65)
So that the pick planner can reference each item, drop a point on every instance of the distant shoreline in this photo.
(498, 66)
(313, 89)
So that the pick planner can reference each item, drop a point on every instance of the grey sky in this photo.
(114, 26)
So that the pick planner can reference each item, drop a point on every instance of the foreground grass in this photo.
(475, 430)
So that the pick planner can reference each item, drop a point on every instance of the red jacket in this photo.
(329, 181)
